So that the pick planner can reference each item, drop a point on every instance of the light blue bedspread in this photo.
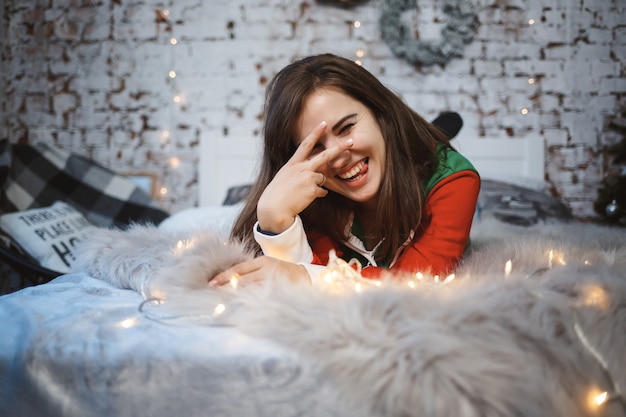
(79, 347)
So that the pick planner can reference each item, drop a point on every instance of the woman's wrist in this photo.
(268, 225)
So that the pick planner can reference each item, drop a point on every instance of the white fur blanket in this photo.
(543, 336)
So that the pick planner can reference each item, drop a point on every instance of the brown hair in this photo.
(409, 143)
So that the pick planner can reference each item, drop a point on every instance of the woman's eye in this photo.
(346, 128)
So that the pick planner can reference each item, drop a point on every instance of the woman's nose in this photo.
(340, 160)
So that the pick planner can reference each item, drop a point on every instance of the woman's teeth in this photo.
(353, 172)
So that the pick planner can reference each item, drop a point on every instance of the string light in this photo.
(172, 74)
(174, 162)
(163, 191)
(338, 273)
(219, 310)
(508, 266)
(184, 245)
(600, 398)
(524, 111)
(234, 280)
(531, 80)
(173, 41)
(177, 99)
(449, 278)
(595, 296)
(597, 398)
(531, 21)
(128, 323)
(550, 257)
(357, 24)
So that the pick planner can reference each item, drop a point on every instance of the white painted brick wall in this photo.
(93, 77)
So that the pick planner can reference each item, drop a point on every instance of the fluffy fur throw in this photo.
(543, 340)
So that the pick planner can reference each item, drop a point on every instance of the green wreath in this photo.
(458, 31)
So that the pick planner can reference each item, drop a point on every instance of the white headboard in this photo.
(523, 159)
(505, 159)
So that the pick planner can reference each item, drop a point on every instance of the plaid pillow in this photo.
(39, 175)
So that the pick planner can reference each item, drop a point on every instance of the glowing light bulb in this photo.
(550, 257)
(219, 310)
(172, 74)
(601, 398)
(128, 323)
(595, 296)
(508, 266)
(360, 53)
(174, 162)
(419, 276)
(358, 287)
(177, 99)
(234, 280)
(596, 399)
(524, 111)
(173, 41)
(411, 284)
(165, 134)
(163, 191)
(531, 21)
(357, 24)
(359, 63)
(531, 80)
(165, 12)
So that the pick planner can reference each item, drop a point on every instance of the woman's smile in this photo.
(355, 173)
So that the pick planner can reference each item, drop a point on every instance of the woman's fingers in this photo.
(233, 275)
(258, 270)
(327, 155)
(303, 152)
(308, 143)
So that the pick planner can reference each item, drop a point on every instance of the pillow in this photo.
(48, 234)
(39, 174)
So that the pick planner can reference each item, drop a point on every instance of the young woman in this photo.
(347, 165)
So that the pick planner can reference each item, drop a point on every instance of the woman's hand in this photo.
(297, 183)
(258, 270)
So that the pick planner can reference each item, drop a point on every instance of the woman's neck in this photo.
(367, 219)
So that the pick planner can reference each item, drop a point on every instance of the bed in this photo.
(532, 323)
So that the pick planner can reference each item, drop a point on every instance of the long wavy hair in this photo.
(409, 142)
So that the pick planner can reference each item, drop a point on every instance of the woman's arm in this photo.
(450, 205)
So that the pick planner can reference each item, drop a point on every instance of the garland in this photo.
(458, 32)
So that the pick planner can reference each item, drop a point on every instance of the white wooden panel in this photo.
(224, 165)
(505, 158)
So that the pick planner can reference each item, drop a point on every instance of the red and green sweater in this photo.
(451, 196)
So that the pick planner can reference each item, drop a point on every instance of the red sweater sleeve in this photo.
(450, 205)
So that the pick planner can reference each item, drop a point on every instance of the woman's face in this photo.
(356, 173)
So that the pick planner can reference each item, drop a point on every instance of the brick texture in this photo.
(94, 77)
